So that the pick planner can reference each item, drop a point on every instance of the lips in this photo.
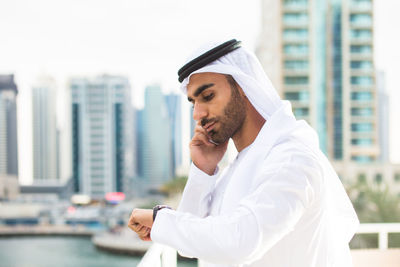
(209, 126)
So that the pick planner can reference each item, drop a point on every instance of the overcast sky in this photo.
(144, 40)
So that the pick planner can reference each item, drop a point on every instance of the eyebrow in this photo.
(200, 89)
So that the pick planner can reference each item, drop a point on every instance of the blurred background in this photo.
(93, 123)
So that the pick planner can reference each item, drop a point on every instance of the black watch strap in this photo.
(157, 208)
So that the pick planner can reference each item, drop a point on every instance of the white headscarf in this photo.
(247, 71)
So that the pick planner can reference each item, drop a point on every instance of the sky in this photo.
(145, 40)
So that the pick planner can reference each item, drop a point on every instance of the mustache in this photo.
(205, 121)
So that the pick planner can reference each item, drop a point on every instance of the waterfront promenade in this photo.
(122, 242)
(58, 230)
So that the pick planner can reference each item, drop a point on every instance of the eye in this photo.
(208, 97)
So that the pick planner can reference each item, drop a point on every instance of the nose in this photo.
(199, 111)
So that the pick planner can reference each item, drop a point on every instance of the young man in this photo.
(279, 203)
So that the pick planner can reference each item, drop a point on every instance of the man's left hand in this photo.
(141, 221)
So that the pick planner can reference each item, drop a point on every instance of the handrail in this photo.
(382, 229)
(159, 256)
(163, 256)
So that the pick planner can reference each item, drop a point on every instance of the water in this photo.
(61, 251)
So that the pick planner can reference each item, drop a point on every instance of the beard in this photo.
(232, 120)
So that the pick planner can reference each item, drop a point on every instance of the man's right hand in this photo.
(206, 155)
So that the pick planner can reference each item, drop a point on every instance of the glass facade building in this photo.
(320, 57)
(154, 141)
(102, 156)
(8, 126)
(45, 145)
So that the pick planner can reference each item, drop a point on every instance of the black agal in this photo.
(207, 58)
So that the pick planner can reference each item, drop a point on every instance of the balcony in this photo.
(361, 8)
(162, 256)
(295, 7)
(361, 56)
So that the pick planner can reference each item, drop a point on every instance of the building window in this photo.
(361, 19)
(362, 178)
(295, 3)
(361, 112)
(361, 34)
(297, 34)
(361, 96)
(297, 96)
(296, 49)
(296, 80)
(361, 127)
(397, 177)
(378, 178)
(300, 112)
(295, 18)
(361, 142)
(361, 80)
(296, 64)
(361, 64)
(361, 49)
(362, 159)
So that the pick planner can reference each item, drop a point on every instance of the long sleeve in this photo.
(258, 223)
(196, 196)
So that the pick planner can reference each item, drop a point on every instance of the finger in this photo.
(145, 234)
(135, 227)
(200, 129)
(201, 138)
(143, 231)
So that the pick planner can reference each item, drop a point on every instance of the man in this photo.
(279, 203)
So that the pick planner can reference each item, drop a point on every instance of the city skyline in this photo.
(62, 47)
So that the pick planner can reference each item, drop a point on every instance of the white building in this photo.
(45, 134)
(102, 156)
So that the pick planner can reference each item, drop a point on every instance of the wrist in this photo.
(158, 208)
(209, 170)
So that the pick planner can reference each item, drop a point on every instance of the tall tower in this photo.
(101, 135)
(8, 137)
(8, 126)
(45, 137)
(173, 104)
(319, 55)
(154, 146)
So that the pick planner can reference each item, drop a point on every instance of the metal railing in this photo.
(159, 256)
(163, 256)
(382, 229)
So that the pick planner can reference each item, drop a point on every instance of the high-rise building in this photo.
(8, 137)
(154, 145)
(173, 103)
(319, 55)
(8, 125)
(101, 135)
(45, 134)
(383, 113)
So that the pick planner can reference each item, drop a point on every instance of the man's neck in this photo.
(249, 130)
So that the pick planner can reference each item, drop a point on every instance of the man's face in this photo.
(217, 104)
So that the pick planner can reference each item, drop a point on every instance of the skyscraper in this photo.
(173, 103)
(8, 137)
(383, 111)
(101, 135)
(319, 55)
(154, 146)
(45, 137)
(8, 126)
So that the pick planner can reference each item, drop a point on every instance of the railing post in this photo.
(168, 257)
(383, 240)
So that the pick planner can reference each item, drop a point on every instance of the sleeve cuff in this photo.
(196, 172)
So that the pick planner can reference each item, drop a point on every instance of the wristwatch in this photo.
(157, 208)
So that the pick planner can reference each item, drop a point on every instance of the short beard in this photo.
(234, 115)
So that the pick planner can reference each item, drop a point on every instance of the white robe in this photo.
(279, 204)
